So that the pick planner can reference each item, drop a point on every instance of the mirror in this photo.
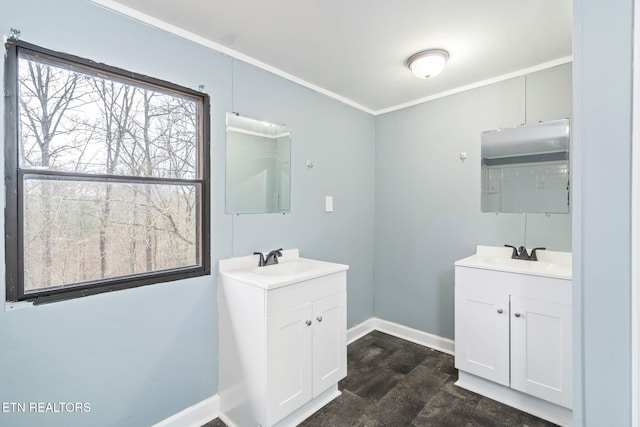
(526, 168)
(258, 169)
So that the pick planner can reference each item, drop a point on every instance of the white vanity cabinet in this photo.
(306, 347)
(541, 349)
(513, 337)
(282, 348)
(482, 333)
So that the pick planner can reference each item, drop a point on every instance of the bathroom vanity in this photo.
(282, 339)
(513, 330)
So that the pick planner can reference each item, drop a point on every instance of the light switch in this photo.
(328, 204)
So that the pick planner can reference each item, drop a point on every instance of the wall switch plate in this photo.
(328, 204)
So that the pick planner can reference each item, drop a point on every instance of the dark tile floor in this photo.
(392, 382)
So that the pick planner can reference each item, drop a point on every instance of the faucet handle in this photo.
(261, 261)
(514, 254)
(534, 256)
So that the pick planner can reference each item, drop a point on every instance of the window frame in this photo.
(14, 219)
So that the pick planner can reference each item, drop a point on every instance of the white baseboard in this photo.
(426, 339)
(209, 409)
(205, 411)
(194, 416)
(360, 330)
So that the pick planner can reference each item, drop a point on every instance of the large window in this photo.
(107, 177)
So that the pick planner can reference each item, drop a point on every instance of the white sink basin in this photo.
(301, 266)
(290, 269)
(550, 264)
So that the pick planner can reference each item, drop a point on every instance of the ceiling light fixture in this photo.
(428, 63)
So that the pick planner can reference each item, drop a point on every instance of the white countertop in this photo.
(550, 263)
(290, 269)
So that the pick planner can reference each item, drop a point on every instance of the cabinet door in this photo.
(482, 333)
(541, 349)
(329, 342)
(288, 361)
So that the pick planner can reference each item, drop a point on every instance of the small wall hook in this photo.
(14, 33)
(463, 156)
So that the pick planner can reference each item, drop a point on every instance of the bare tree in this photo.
(99, 228)
(116, 101)
(47, 93)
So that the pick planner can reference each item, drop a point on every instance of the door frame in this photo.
(635, 224)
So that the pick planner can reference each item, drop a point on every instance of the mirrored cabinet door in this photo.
(258, 166)
(526, 168)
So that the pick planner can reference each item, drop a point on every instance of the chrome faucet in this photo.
(270, 259)
(521, 253)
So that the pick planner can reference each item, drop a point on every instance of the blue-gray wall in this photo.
(141, 355)
(602, 206)
(339, 141)
(428, 200)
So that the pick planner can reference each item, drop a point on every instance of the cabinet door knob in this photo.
(308, 322)
(517, 314)
(319, 318)
(500, 310)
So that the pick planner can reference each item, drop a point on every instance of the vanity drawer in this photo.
(530, 286)
(288, 297)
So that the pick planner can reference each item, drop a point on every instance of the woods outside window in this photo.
(107, 177)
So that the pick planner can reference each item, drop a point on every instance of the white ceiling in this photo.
(355, 50)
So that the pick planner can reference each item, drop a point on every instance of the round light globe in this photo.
(428, 63)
